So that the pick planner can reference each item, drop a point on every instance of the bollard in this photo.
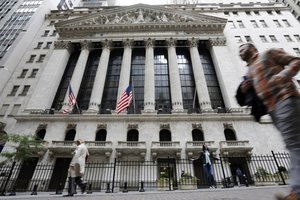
(125, 188)
(107, 188)
(142, 187)
(59, 189)
(34, 190)
(89, 189)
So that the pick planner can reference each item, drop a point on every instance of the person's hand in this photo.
(246, 85)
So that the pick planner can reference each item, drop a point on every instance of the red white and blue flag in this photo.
(125, 100)
(71, 97)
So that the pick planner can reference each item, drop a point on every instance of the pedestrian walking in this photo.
(271, 75)
(76, 169)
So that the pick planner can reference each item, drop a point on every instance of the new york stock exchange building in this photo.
(183, 68)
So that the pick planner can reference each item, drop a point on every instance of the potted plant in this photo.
(163, 182)
(262, 177)
(187, 182)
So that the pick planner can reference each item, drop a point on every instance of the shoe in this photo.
(291, 196)
(83, 187)
(68, 195)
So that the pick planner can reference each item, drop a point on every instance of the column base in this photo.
(91, 112)
(149, 112)
(179, 111)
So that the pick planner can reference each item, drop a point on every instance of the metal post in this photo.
(107, 188)
(142, 187)
(114, 174)
(279, 170)
(125, 188)
(34, 191)
(224, 177)
(169, 174)
(7, 180)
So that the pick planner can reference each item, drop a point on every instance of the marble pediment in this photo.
(139, 15)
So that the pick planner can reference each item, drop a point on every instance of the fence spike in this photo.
(108, 188)
(125, 190)
(34, 191)
(142, 187)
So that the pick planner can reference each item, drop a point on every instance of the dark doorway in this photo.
(197, 135)
(60, 173)
(239, 162)
(40, 135)
(133, 135)
(25, 174)
(167, 169)
(101, 135)
(70, 136)
(199, 173)
(229, 134)
(165, 135)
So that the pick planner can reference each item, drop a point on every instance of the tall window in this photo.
(25, 90)
(86, 87)
(162, 84)
(40, 135)
(197, 135)
(263, 23)
(14, 90)
(165, 135)
(70, 135)
(15, 109)
(137, 81)
(254, 24)
(101, 135)
(64, 83)
(248, 38)
(285, 21)
(23, 74)
(211, 79)
(288, 38)
(273, 38)
(229, 134)
(110, 92)
(263, 38)
(187, 80)
(276, 22)
(241, 24)
(133, 135)
(4, 109)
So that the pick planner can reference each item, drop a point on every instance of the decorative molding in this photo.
(63, 45)
(86, 45)
(2, 126)
(164, 126)
(128, 43)
(149, 42)
(101, 126)
(171, 42)
(71, 126)
(228, 125)
(107, 43)
(217, 41)
(132, 126)
(197, 126)
(193, 42)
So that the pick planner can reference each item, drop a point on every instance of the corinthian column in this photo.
(176, 93)
(47, 86)
(99, 83)
(125, 68)
(78, 72)
(149, 97)
(201, 86)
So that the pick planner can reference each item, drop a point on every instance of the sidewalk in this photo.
(236, 193)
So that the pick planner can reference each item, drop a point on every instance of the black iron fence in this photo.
(160, 174)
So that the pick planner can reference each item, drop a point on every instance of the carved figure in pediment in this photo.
(140, 17)
(164, 18)
(116, 19)
(126, 19)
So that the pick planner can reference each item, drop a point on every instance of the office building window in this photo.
(41, 58)
(297, 37)
(248, 13)
(33, 73)
(297, 51)
(241, 24)
(14, 90)
(256, 12)
(248, 38)
(278, 12)
(25, 90)
(23, 74)
(287, 24)
(226, 13)
(270, 12)
(48, 45)
(54, 33)
(254, 24)
(273, 38)
(235, 13)
(15, 109)
(46, 33)
(231, 24)
(4, 109)
(238, 39)
(31, 59)
(263, 23)
(263, 38)
(288, 38)
(39, 45)
(277, 24)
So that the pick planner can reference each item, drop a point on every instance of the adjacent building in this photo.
(294, 6)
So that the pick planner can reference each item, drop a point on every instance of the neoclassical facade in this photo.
(184, 69)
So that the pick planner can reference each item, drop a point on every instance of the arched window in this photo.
(40, 135)
(2, 141)
(165, 135)
(70, 135)
(133, 135)
(101, 135)
(229, 134)
(197, 135)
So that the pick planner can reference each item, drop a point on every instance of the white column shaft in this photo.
(149, 89)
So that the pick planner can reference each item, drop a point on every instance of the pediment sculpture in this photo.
(138, 16)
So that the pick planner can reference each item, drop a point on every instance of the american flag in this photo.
(66, 111)
(71, 97)
(125, 100)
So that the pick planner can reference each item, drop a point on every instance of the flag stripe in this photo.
(71, 96)
(125, 100)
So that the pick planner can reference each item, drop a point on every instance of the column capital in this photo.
(171, 42)
(149, 42)
(128, 43)
(107, 44)
(86, 45)
(192, 42)
(217, 41)
(63, 45)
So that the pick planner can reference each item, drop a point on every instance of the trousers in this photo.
(208, 170)
(286, 118)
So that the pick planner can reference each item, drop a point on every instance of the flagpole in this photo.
(133, 97)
